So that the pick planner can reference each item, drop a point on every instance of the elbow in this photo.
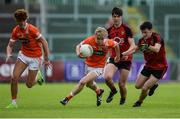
(77, 46)
(134, 48)
(157, 50)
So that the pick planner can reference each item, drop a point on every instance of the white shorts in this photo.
(97, 71)
(33, 63)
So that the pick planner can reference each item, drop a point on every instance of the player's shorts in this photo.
(97, 71)
(122, 64)
(156, 73)
(33, 63)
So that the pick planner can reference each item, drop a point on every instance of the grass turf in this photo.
(43, 101)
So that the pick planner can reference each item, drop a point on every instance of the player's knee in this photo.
(82, 82)
(14, 81)
(29, 85)
(122, 84)
(107, 77)
(144, 88)
(15, 78)
(137, 86)
(87, 85)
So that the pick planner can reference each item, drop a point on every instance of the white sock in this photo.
(36, 78)
(71, 94)
(14, 101)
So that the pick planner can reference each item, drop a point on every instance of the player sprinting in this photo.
(122, 34)
(29, 56)
(94, 64)
(153, 48)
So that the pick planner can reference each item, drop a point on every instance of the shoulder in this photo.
(90, 39)
(156, 36)
(127, 30)
(110, 28)
(140, 40)
(110, 42)
(126, 27)
(16, 28)
(33, 28)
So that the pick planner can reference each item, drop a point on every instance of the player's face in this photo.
(21, 24)
(99, 39)
(116, 19)
(146, 33)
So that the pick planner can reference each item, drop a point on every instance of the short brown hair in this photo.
(20, 15)
(146, 25)
(117, 11)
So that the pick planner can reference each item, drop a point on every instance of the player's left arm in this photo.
(132, 47)
(131, 42)
(38, 36)
(46, 51)
(117, 50)
(45, 48)
(155, 48)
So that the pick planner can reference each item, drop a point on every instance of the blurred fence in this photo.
(70, 21)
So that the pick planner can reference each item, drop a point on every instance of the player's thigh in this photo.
(109, 70)
(31, 76)
(150, 82)
(91, 76)
(19, 68)
(91, 83)
(140, 81)
(124, 73)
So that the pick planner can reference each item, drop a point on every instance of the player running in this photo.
(94, 64)
(29, 56)
(122, 34)
(153, 48)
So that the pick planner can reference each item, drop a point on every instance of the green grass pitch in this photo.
(43, 101)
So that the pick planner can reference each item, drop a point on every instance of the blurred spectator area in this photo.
(67, 22)
(161, 11)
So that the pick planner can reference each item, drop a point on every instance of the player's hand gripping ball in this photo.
(86, 50)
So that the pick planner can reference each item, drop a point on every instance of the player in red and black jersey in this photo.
(122, 34)
(153, 48)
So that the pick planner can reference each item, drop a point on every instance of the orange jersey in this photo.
(98, 59)
(28, 37)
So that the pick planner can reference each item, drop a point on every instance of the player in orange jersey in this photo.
(30, 54)
(94, 64)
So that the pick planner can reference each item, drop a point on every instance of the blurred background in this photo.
(65, 23)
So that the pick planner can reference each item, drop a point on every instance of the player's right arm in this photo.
(10, 45)
(78, 50)
(86, 41)
(113, 44)
(9, 49)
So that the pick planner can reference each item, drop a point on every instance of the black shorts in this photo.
(122, 64)
(156, 73)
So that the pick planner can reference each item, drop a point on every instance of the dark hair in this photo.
(20, 15)
(117, 11)
(146, 25)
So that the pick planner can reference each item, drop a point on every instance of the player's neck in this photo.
(118, 25)
(24, 26)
